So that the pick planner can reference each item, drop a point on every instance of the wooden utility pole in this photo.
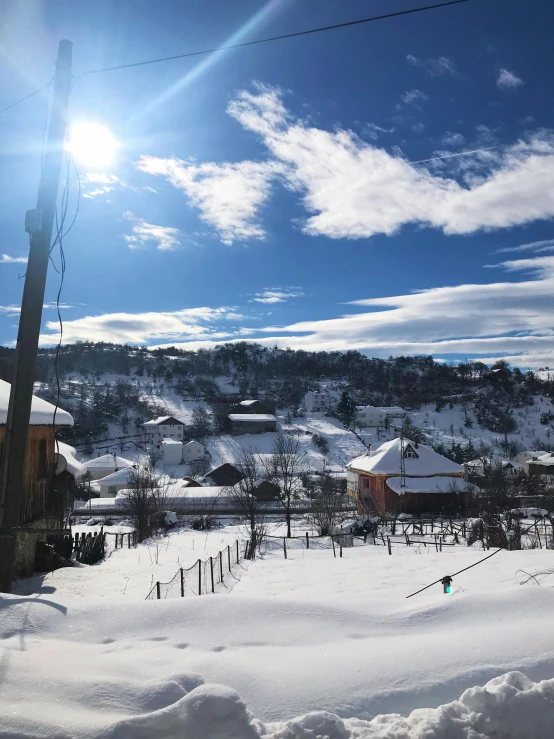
(39, 224)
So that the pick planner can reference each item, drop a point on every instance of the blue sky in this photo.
(270, 193)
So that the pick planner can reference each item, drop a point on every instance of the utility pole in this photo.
(39, 224)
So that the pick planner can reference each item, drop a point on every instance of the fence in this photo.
(128, 540)
(203, 576)
(89, 548)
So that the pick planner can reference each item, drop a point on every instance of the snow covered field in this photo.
(310, 633)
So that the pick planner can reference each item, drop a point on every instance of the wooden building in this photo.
(225, 474)
(252, 423)
(402, 476)
(40, 510)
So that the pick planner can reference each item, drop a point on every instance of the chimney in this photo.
(416, 442)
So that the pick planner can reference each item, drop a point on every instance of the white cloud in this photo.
(418, 127)
(410, 97)
(165, 237)
(434, 67)
(507, 80)
(277, 295)
(372, 130)
(229, 196)
(355, 189)
(7, 259)
(536, 246)
(453, 139)
(100, 178)
(140, 328)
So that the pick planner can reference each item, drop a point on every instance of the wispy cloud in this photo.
(434, 67)
(453, 139)
(277, 295)
(353, 189)
(140, 328)
(373, 131)
(229, 196)
(507, 80)
(15, 310)
(537, 246)
(7, 259)
(507, 319)
(165, 237)
(410, 97)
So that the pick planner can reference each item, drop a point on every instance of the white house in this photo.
(163, 427)
(393, 411)
(194, 451)
(482, 464)
(172, 451)
(369, 415)
(530, 456)
(104, 465)
(316, 401)
(112, 484)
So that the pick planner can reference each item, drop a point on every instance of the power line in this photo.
(294, 34)
(22, 100)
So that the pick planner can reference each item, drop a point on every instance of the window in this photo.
(409, 453)
(42, 466)
(112, 489)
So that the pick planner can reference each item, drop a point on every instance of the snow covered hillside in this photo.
(310, 633)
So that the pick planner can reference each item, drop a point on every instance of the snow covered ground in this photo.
(310, 633)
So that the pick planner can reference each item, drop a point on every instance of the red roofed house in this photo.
(402, 476)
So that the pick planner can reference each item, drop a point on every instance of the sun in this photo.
(92, 144)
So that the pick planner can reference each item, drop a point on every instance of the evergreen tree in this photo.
(346, 409)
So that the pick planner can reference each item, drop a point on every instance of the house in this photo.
(105, 464)
(402, 476)
(112, 484)
(480, 466)
(163, 427)
(530, 456)
(194, 451)
(191, 482)
(225, 474)
(265, 490)
(253, 406)
(369, 415)
(172, 451)
(40, 509)
(543, 466)
(316, 401)
(393, 411)
(252, 423)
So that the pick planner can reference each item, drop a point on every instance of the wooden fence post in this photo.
(221, 566)
(389, 545)
(307, 540)
(285, 547)
(199, 577)
(212, 573)
(340, 545)
(229, 557)
(238, 560)
(158, 591)
(129, 540)
(182, 583)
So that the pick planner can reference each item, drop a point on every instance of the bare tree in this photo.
(145, 496)
(284, 468)
(245, 502)
(327, 503)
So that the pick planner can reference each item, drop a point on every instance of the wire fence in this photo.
(204, 576)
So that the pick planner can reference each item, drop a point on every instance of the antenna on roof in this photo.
(402, 462)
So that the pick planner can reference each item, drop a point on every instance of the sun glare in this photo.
(92, 144)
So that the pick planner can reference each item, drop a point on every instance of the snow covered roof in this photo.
(247, 403)
(385, 460)
(42, 412)
(66, 460)
(107, 461)
(426, 485)
(545, 460)
(117, 478)
(167, 442)
(251, 417)
(493, 462)
(162, 419)
(391, 409)
(194, 442)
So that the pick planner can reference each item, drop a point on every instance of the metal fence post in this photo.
(158, 591)
(389, 545)
(212, 573)
(285, 547)
(199, 577)
(182, 583)
(229, 557)
(307, 540)
(129, 540)
(340, 550)
(333, 543)
(221, 566)
(238, 558)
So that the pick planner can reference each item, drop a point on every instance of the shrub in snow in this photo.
(170, 519)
